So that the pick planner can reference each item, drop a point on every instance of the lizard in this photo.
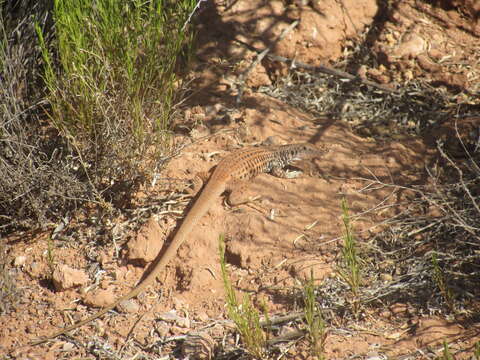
(243, 164)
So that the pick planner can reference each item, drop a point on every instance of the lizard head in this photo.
(305, 151)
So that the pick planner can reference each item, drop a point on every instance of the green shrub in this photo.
(113, 93)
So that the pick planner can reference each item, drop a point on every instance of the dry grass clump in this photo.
(38, 179)
(413, 109)
(433, 247)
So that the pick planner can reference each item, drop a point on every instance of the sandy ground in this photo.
(292, 225)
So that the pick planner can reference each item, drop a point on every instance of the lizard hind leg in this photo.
(239, 194)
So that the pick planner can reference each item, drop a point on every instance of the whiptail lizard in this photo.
(240, 165)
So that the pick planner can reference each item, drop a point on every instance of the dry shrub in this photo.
(39, 178)
(434, 244)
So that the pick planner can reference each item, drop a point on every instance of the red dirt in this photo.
(273, 242)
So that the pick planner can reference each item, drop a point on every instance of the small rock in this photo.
(19, 260)
(162, 329)
(148, 243)
(128, 306)
(100, 297)
(202, 317)
(170, 316)
(173, 317)
(183, 322)
(64, 277)
(68, 346)
(175, 330)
